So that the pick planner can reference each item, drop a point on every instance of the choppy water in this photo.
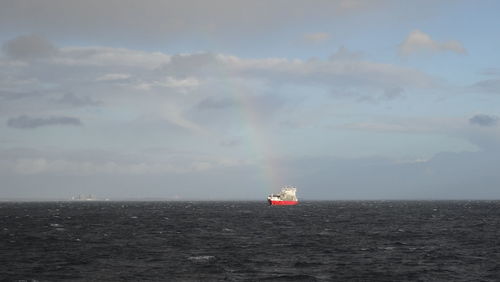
(250, 241)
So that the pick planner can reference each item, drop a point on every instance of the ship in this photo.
(285, 198)
(82, 197)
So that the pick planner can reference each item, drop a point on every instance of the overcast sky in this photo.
(226, 99)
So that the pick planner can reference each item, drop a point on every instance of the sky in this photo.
(230, 99)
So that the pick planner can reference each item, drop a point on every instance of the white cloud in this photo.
(109, 57)
(129, 83)
(418, 42)
(155, 69)
(317, 37)
(108, 162)
(113, 77)
(170, 82)
(42, 165)
(349, 70)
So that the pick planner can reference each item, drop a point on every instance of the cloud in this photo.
(344, 54)
(196, 63)
(393, 93)
(114, 77)
(77, 101)
(231, 142)
(316, 38)
(388, 94)
(164, 20)
(490, 71)
(25, 122)
(29, 47)
(155, 69)
(182, 84)
(484, 120)
(444, 176)
(487, 86)
(215, 103)
(480, 132)
(382, 127)
(126, 84)
(107, 57)
(420, 42)
(12, 95)
(343, 68)
(409, 125)
(42, 165)
(97, 162)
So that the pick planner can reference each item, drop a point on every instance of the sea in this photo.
(250, 241)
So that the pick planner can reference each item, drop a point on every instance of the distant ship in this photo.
(84, 198)
(285, 198)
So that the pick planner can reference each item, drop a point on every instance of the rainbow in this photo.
(258, 141)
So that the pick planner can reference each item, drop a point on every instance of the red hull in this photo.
(282, 203)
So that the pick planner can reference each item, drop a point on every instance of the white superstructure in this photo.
(288, 193)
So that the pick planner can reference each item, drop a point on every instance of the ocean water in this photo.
(251, 241)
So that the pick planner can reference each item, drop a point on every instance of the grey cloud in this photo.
(344, 93)
(13, 95)
(445, 176)
(484, 120)
(488, 86)
(266, 105)
(189, 64)
(218, 110)
(29, 47)
(483, 132)
(231, 143)
(26, 122)
(77, 101)
(215, 103)
(490, 71)
(157, 19)
(22, 100)
(27, 161)
(84, 155)
(387, 94)
(394, 92)
(345, 54)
